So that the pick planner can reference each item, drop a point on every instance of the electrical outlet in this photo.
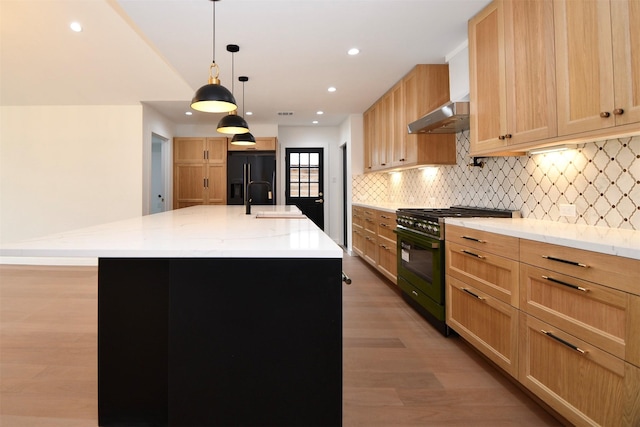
(568, 210)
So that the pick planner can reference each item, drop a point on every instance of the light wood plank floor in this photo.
(398, 371)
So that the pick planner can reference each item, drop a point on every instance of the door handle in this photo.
(319, 201)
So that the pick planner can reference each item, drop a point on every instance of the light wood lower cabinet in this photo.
(572, 337)
(374, 240)
(488, 324)
(585, 384)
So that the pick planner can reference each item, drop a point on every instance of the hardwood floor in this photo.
(398, 371)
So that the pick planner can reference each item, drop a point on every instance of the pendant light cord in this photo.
(214, 32)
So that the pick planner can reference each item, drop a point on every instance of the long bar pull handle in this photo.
(577, 264)
(382, 224)
(472, 294)
(472, 254)
(569, 285)
(560, 340)
(474, 239)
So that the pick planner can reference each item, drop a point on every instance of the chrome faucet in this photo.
(248, 198)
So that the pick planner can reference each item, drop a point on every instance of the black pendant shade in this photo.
(212, 97)
(233, 124)
(243, 139)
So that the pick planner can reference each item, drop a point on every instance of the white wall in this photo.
(352, 133)
(329, 139)
(156, 123)
(66, 167)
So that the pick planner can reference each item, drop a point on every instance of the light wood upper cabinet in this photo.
(598, 58)
(585, 66)
(387, 143)
(625, 19)
(512, 75)
(262, 144)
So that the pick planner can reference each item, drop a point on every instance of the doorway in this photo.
(158, 187)
(304, 184)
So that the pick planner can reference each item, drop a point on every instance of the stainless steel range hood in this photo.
(451, 117)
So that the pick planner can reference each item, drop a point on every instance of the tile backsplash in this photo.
(601, 179)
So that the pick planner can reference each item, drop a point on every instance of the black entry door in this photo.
(304, 183)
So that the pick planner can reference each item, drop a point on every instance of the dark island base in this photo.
(220, 342)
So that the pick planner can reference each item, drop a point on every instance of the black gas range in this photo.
(430, 221)
(421, 256)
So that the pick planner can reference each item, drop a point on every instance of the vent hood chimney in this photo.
(453, 116)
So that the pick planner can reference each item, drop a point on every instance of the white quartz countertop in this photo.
(612, 241)
(194, 232)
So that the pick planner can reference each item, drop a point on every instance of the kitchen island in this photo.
(210, 317)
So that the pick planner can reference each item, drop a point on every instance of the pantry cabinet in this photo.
(512, 75)
(387, 143)
(374, 240)
(199, 171)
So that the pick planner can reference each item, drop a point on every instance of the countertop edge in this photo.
(611, 241)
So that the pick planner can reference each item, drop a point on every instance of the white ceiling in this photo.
(159, 52)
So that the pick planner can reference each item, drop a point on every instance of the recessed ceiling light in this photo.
(332, 89)
(320, 113)
(75, 26)
(315, 122)
(188, 113)
(249, 113)
(353, 51)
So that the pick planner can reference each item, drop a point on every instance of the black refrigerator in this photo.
(262, 167)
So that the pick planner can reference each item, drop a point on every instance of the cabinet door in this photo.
(398, 127)
(216, 190)
(217, 150)
(370, 247)
(189, 150)
(583, 383)
(584, 65)
(384, 113)
(189, 186)
(487, 82)
(488, 324)
(262, 144)
(625, 20)
(530, 70)
(367, 124)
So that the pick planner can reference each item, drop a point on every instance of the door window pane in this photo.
(304, 159)
(314, 160)
(293, 190)
(314, 175)
(313, 189)
(294, 159)
(304, 190)
(294, 175)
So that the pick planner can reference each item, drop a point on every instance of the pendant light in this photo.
(232, 123)
(213, 97)
(243, 138)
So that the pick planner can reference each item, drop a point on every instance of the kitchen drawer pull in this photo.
(415, 293)
(474, 239)
(560, 340)
(577, 264)
(472, 294)
(384, 247)
(384, 217)
(472, 254)
(618, 111)
(560, 282)
(382, 224)
(605, 114)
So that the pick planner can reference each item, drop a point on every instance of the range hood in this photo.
(451, 117)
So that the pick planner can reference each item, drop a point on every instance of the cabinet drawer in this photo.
(590, 388)
(386, 225)
(594, 313)
(490, 273)
(387, 258)
(370, 221)
(358, 216)
(489, 325)
(370, 247)
(498, 244)
(609, 270)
